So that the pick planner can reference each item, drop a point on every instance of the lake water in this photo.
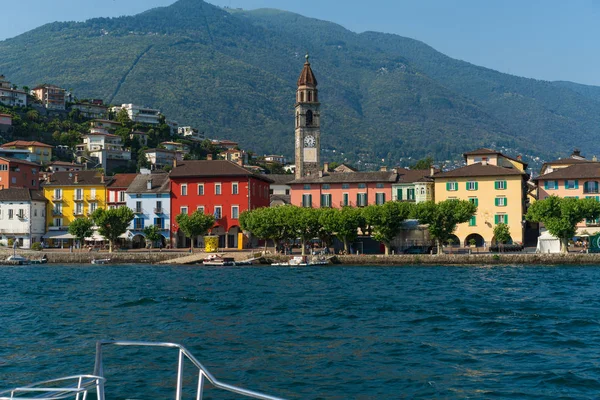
(312, 333)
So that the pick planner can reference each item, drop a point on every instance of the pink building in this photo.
(580, 180)
(339, 189)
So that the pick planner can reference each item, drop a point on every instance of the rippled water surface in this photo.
(328, 333)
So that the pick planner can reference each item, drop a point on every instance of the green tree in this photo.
(343, 223)
(306, 223)
(424, 163)
(195, 225)
(123, 117)
(81, 228)
(502, 233)
(152, 234)
(443, 217)
(386, 220)
(561, 216)
(270, 223)
(112, 223)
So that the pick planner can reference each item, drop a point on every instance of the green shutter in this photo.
(496, 219)
(506, 201)
(506, 219)
(576, 184)
(448, 186)
(496, 185)
(310, 200)
(399, 193)
(358, 199)
(546, 185)
(476, 185)
(496, 201)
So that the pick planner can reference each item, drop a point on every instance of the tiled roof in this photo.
(21, 194)
(351, 177)
(577, 171)
(25, 143)
(478, 169)
(281, 179)
(65, 164)
(212, 168)
(283, 198)
(18, 160)
(306, 76)
(160, 183)
(413, 175)
(161, 151)
(122, 180)
(483, 151)
(568, 160)
(67, 178)
(344, 168)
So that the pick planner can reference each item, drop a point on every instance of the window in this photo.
(218, 213)
(473, 221)
(379, 198)
(159, 223)
(234, 188)
(307, 200)
(451, 186)
(500, 185)
(158, 208)
(501, 219)
(93, 207)
(326, 186)
(472, 185)
(58, 222)
(474, 200)
(183, 210)
(14, 179)
(78, 208)
(35, 212)
(362, 185)
(122, 197)
(345, 186)
(93, 193)
(33, 182)
(78, 194)
(11, 213)
(200, 209)
(235, 212)
(571, 184)
(345, 199)
(325, 200)
(379, 186)
(399, 194)
(361, 199)
(3, 167)
(217, 188)
(138, 206)
(201, 189)
(410, 194)
(57, 194)
(501, 201)
(590, 187)
(138, 224)
(550, 185)
(306, 187)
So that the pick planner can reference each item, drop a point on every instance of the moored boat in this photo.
(216, 260)
(100, 260)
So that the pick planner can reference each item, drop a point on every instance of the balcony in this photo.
(347, 204)
(57, 213)
(158, 210)
(590, 190)
(78, 212)
(77, 198)
(21, 216)
(93, 198)
(57, 198)
(138, 211)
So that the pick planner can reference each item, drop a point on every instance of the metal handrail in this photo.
(43, 391)
(183, 352)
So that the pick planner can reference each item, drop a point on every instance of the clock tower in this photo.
(308, 125)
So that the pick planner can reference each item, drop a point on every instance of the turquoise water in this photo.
(312, 333)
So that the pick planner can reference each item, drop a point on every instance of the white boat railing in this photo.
(77, 387)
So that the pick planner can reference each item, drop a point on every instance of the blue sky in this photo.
(542, 39)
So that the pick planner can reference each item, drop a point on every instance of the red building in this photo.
(115, 191)
(220, 188)
(15, 173)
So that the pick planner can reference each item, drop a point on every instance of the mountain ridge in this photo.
(232, 74)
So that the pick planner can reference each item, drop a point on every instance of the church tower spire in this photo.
(308, 124)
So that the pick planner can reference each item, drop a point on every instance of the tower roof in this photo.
(306, 76)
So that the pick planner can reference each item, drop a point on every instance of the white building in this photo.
(160, 158)
(22, 216)
(143, 115)
(190, 133)
(9, 96)
(105, 149)
(149, 198)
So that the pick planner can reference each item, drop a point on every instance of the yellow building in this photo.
(39, 152)
(497, 184)
(71, 195)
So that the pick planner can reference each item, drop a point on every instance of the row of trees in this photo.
(112, 223)
(383, 222)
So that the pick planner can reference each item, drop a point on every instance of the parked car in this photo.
(418, 250)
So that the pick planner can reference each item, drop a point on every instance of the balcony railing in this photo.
(78, 212)
(20, 216)
(57, 213)
(93, 198)
(590, 190)
(57, 198)
(347, 204)
(138, 211)
(78, 198)
(158, 210)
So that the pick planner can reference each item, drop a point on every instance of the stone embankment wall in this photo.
(87, 257)
(472, 259)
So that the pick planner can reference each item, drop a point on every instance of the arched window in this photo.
(301, 97)
(309, 97)
(309, 118)
(590, 187)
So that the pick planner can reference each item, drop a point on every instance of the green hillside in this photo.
(232, 74)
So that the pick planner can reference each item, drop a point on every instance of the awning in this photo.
(96, 237)
(57, 235)
(587, 231)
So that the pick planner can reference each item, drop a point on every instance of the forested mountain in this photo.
(232, 74)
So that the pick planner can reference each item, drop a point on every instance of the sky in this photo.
(541, 39)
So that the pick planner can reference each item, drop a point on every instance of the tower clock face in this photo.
(309, 141)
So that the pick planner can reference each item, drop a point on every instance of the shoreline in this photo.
(398, 260)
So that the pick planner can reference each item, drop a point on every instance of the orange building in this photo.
(16, 173)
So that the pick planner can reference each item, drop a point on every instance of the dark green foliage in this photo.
(112, 223)
(232, 74)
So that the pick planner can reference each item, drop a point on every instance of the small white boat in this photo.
(18, 260)
(101, 261)
(302, 261)
(78, 387)
(215, 260)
